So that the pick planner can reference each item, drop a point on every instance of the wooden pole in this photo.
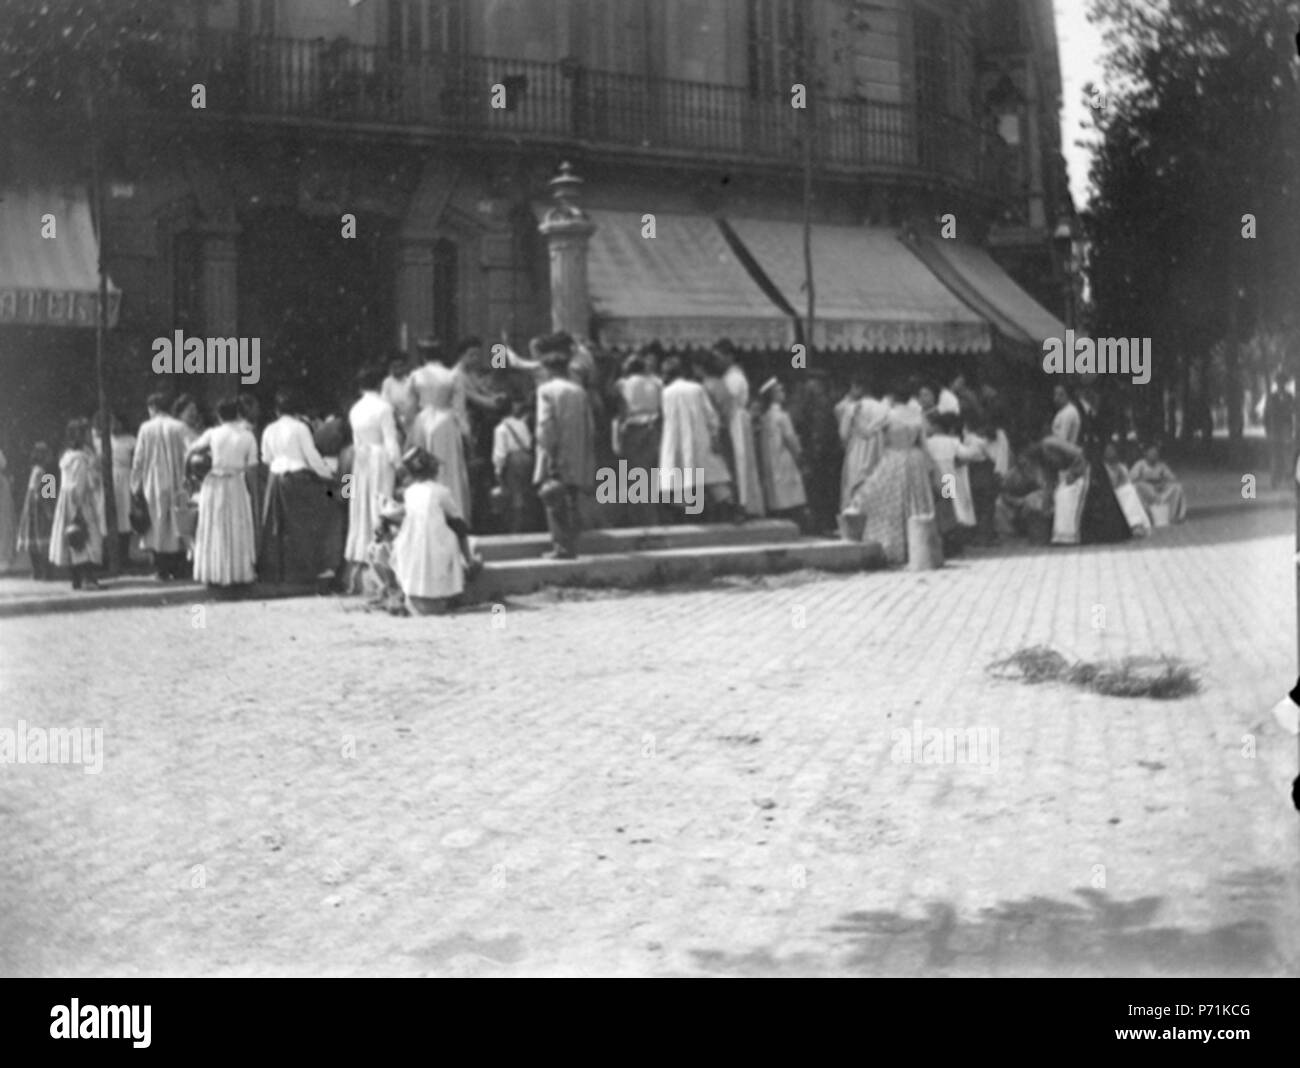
(101, 323)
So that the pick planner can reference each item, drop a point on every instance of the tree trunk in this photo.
(1185, 391)
(1232, 357)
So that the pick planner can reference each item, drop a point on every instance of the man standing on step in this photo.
(566, 456)
(158, 472)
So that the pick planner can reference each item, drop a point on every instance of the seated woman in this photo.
(1156, 485)
(431, 552)
(1129, 502)
(1024, 504)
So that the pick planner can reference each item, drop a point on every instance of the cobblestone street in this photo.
(674, 782)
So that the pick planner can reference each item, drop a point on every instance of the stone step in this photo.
(500, 547)
(662, 566)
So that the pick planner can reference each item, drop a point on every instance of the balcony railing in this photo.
(346, 82)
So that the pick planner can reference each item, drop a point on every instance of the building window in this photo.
(775, 45)
(931, 69)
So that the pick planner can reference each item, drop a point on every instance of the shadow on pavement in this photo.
(1100, 936)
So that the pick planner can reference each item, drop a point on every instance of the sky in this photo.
(1080, 46)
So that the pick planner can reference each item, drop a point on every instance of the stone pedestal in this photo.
(567, 230)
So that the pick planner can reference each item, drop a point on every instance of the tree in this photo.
(1201, 130)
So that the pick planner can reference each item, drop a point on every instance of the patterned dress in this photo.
(899, 486)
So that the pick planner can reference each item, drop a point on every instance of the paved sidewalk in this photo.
(678, 783)
(1211, 492)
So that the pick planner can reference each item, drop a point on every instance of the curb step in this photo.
(664, 566)
(600, 542)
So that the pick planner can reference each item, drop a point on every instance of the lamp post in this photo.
(101, 324)
(1063, 245)
(567, 230)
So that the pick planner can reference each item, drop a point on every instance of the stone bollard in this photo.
(924, 549)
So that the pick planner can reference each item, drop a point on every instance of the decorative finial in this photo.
(565, 186)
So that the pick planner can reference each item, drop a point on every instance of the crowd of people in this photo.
(383, 492)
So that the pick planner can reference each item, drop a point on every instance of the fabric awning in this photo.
(872, 293)
(684, 287)
(50, 281)
(976, 278)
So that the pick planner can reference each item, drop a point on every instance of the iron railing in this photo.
(347, 82)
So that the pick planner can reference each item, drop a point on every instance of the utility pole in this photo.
(802, 47)
(101, 324)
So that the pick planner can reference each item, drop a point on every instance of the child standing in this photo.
(512, 460)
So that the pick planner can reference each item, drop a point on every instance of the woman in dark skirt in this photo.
(37, 519)
(301, 537)
(1103, 518)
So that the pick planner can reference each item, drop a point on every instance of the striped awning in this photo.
(684, 287)
(976, 278)
(873, 294)
(50, 280)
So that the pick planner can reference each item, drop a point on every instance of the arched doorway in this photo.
(322, 304)
(446, 293)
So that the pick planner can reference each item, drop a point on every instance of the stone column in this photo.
(219, 302)
(567, 230)
(414, 291)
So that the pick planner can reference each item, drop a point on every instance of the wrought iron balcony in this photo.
(563, 102)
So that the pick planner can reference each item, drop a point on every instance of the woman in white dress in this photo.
(375, 455)
(225, 552)
(780, 453)
(123, 446)
(81, 497)
(442, 428)
(430, 550)
(862, 432)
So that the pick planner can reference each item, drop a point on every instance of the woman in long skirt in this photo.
(123, 446)
(370, 473)
(781, 453)
(8, 530)
(862, 430)
(301, 539)
(224, 553)
(440, 430)
(37, 519)
(81, 500)
(900, 485)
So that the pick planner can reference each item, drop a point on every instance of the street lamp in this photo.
(1063, 245)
